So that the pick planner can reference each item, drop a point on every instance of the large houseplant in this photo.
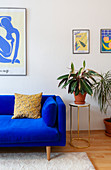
(102, 91)
(79, 82)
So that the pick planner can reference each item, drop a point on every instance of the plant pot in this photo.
(80, 98)
(107, 123)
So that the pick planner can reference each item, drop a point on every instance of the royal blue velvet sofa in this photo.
(26, 132)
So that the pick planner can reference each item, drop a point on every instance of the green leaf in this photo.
(86, 87)
(69, 89)
(73, 75)
(82, 92)
(81, 87)
(62, 81)
(91, 72)
(76, 92)
(68, 82)
(88, 76)
(62, 77)
(72, 67)
(94, 73)
(79, 72)
(73, 86)
(90, 84)
(84, 64)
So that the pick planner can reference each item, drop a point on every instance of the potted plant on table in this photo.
(102, 91)
(79, 82)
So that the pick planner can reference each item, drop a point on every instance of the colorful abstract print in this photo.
(9, 44)
(81, 41)
(106, 40)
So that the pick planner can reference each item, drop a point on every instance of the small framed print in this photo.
(81, 41)
(13, 41)
(105, 40)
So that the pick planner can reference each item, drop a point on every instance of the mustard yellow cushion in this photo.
(27, 106)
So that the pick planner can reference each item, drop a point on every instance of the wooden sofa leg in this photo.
(48, 149)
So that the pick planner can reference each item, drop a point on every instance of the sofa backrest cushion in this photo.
(49, 112)
(7, 104)
(45, 97)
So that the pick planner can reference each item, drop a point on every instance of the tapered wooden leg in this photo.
(48, 149)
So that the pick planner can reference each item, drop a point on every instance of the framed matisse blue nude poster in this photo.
(105, 40)
(81, 41)
(12, 41)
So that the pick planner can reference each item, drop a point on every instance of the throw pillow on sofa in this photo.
(49, 111)
(27, 106)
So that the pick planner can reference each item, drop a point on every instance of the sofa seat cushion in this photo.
(26, 130)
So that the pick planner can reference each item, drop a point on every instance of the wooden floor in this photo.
(99, 152)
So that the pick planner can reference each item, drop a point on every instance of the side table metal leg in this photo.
(70, 124)
(89, 124)
(78, 122)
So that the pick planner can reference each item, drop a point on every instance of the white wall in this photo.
(49, 48)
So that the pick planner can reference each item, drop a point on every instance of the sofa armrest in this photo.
(61, 120)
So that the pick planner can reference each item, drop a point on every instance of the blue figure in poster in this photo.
(8, 44)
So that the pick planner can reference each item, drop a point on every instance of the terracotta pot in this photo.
(80, 98)
(107, 123)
